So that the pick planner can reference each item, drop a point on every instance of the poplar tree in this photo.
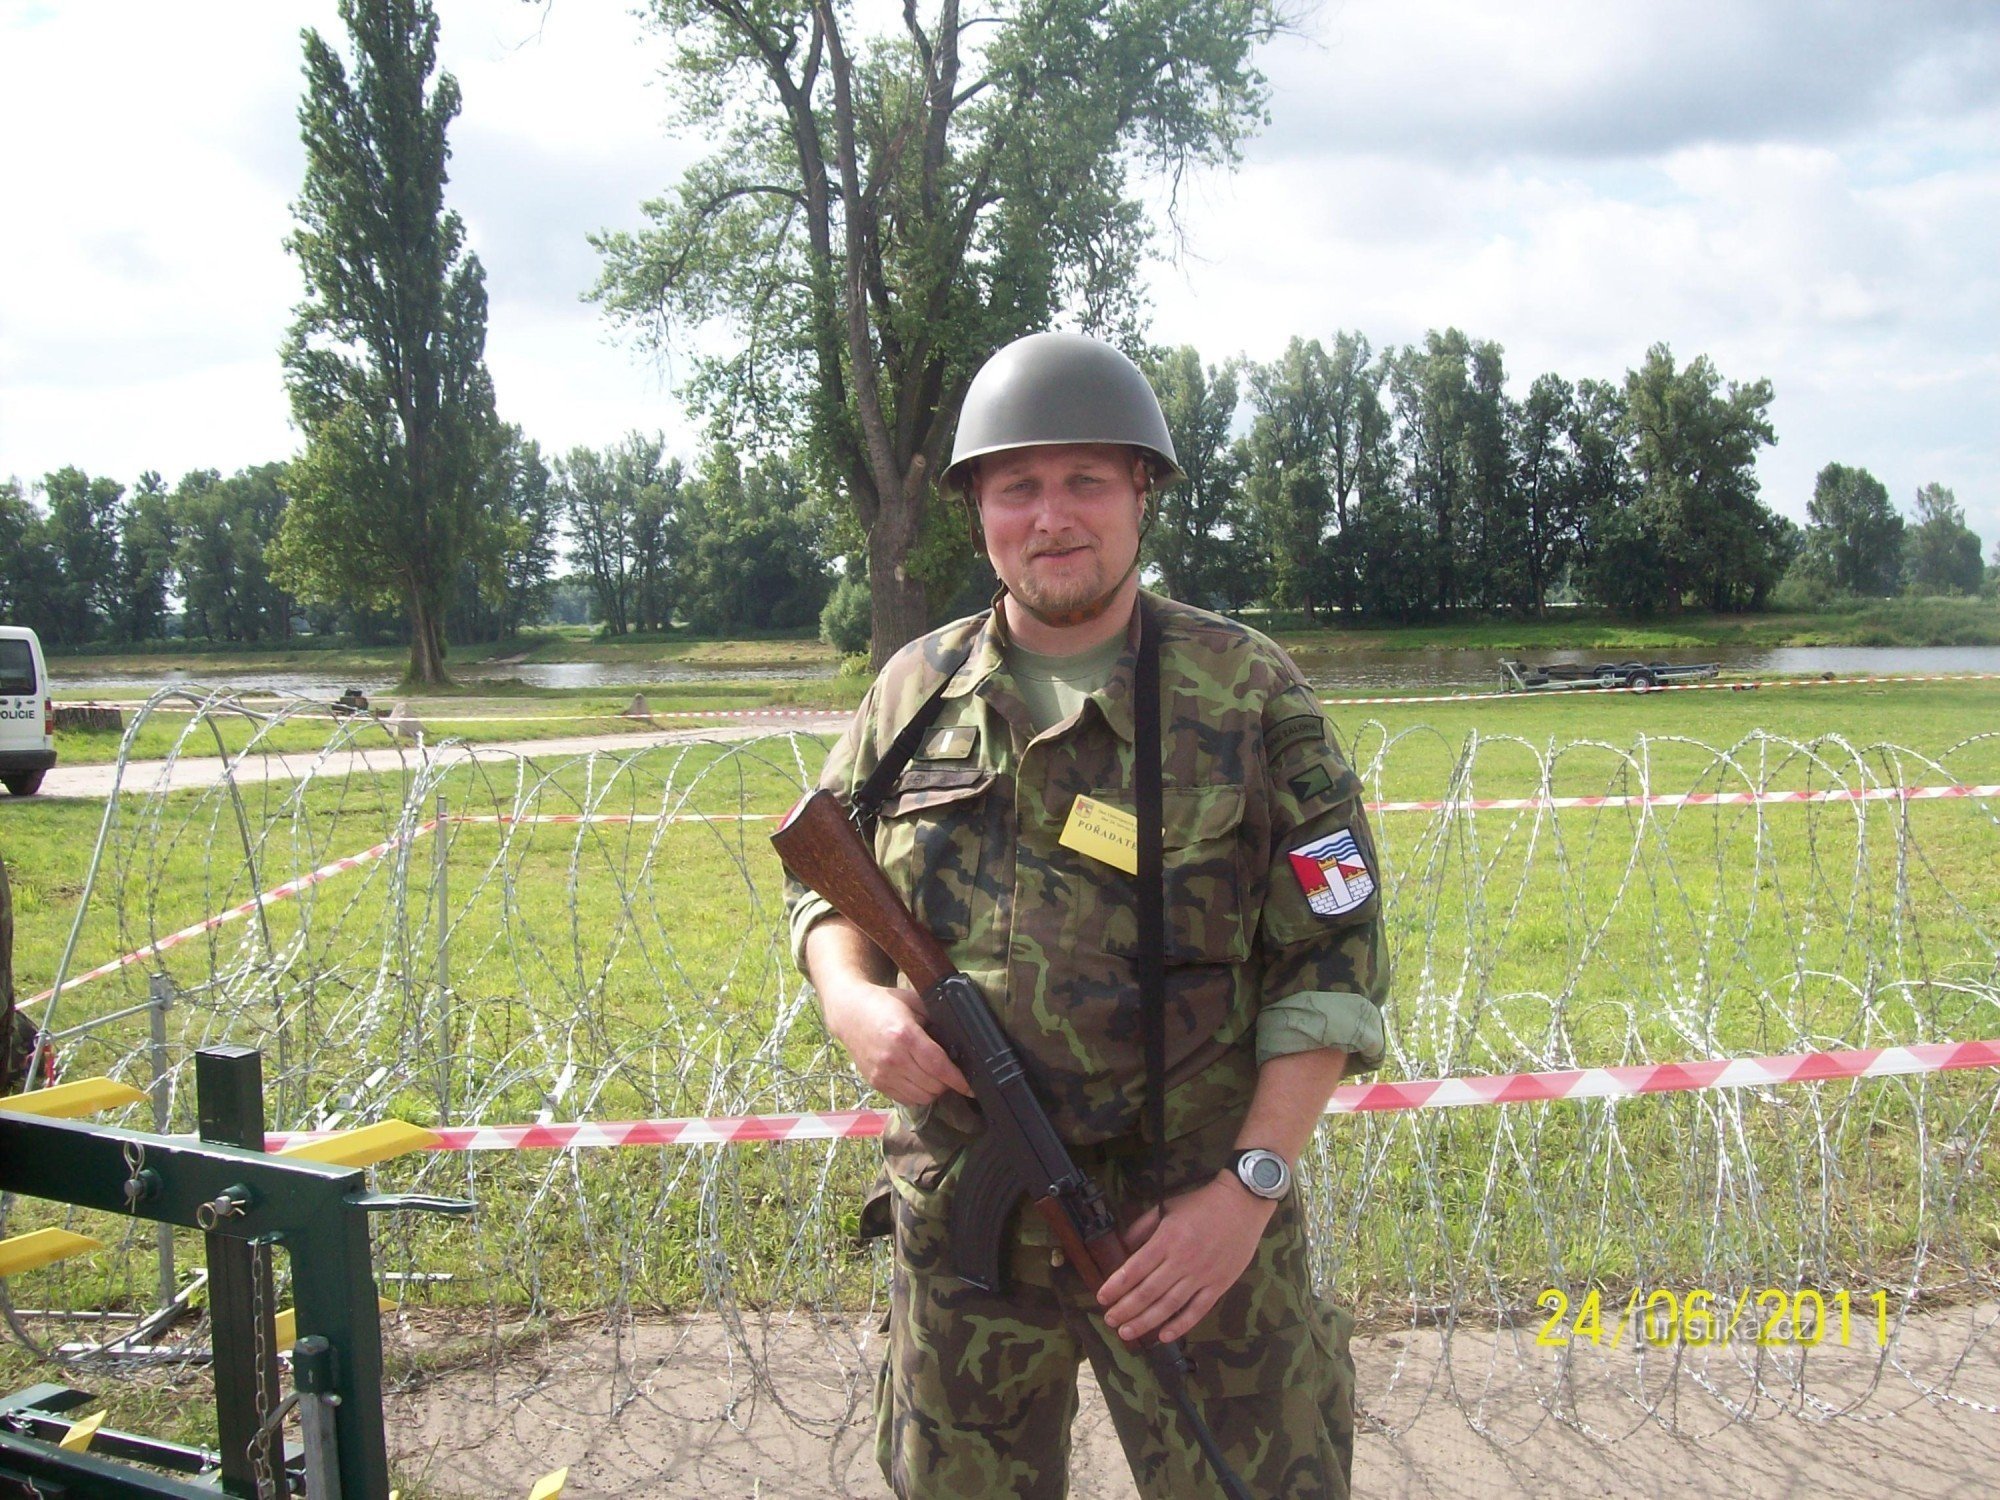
(385, 363)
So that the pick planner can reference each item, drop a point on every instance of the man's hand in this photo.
(875, 1019)
(1183, 1260)
(879, 1026)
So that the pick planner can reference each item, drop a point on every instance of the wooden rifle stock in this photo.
(825, 852)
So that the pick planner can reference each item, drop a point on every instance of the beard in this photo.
(1077, 590)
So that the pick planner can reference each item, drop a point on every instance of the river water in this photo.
(1331, 670)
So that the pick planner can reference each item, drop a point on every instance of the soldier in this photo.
(1186, 1073)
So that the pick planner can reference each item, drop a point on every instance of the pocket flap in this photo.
(1197, 813)
(924, 787)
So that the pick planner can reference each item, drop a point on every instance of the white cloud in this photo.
(143, 287)
(1549, 181)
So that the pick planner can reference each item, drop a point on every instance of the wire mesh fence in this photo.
(461, 938)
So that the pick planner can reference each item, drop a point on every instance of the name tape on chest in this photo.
(1103, 832)
(1334, 874)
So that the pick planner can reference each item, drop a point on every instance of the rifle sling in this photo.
(1152, 975)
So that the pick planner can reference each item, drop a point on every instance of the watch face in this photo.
(1267, 1174)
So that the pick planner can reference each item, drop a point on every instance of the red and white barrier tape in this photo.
(236, 913)
(1624, 1082)
(1702, 799)
(1476, 804)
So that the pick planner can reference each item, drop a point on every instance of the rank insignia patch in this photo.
(955, 743)
(1333, 874)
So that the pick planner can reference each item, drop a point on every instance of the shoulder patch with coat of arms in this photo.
(1334, 873)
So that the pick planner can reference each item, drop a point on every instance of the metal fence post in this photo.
(443, 866)
(229, 1096)
(442, 859)
(161, 990)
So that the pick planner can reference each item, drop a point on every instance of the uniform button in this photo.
(1055, 1257)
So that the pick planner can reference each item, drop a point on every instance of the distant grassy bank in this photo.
(1882, 622)
(487, 713)
(334, 656)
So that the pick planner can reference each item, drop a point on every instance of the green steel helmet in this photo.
(1051, 388)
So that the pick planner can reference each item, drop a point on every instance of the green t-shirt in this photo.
(1054, 687)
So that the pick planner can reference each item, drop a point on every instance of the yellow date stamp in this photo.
(1773, 1317)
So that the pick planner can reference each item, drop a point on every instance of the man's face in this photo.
(1062, 522)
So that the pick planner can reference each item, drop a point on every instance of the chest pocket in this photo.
(928, 838)
(1202, 869)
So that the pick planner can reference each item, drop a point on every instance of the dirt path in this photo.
(648, 1412)
(145, 777)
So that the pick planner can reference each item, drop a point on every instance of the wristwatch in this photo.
(1264, 1173)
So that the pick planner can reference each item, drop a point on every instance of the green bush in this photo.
(844, 623)
(1808, 588)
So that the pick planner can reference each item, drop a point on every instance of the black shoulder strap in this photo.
(875, 790)
(1150, 807)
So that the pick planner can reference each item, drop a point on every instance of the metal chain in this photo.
(258, 1450)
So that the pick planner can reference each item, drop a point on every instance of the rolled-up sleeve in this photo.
(1312, 1019)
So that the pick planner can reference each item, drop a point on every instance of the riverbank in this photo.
(1880, 622)
(203, 660)
(1885, 622)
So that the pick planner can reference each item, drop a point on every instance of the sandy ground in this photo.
(666, 1410)
(144, 777)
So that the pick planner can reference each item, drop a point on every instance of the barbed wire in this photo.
(600, 936)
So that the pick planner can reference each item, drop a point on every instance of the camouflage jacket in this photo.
(970, 836)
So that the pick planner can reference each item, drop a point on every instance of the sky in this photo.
(1804, 192)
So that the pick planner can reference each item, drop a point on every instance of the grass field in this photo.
(1874, 622)
(496, 713)
(622, 970)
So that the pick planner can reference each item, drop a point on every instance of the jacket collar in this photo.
(987, 662)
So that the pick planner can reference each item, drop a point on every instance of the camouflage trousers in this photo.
(977, 1390)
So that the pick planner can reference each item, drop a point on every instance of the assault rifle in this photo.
(1019, 1154)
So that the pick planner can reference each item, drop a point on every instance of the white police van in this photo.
(27, 748)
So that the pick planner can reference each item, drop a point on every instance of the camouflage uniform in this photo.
(977, 1390)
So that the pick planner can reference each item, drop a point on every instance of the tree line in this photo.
(726, 548)
(1332, 481)
(1410, 485)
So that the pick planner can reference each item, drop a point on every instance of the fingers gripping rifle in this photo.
(1019, 1153)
